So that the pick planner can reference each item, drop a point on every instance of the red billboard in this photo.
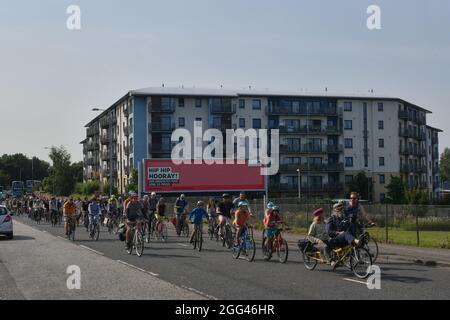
(165, 176)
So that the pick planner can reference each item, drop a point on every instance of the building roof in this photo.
(215, 92)
(434, 129)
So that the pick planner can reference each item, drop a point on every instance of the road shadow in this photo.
(403, 279)
(17, 238)
(149, 254)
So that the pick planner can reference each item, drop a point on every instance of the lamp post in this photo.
(110, 149)
(53, 181)
(299, 186)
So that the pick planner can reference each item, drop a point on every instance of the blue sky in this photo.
(51, 78)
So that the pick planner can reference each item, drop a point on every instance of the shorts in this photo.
(67, 218)
(270, 232)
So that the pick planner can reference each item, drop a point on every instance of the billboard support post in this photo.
(140, 173)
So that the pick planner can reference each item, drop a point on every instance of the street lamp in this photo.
(53, 181)
(299, 186)
(110, 149)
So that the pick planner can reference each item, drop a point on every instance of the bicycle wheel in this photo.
(236, 251)
(228, 237)
(309, 260)
(200, 241)
(97, 232)
(139, 243)
(282, 250)
(195, 238)
(360, 261)
(267, 254)
(185, 229)
(371, 245)
(250, 249)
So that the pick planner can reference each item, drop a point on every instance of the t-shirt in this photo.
(152, 202)
(182, 204)
(270, 220)
(241, 217)
(134, 208)
(161, 209)
(69, 208)
(226, 208)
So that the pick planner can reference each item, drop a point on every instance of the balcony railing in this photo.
(126, 150)
(325, 187)
(434, 140)
(161, 127)
(308, 148)
(277, 110)
(126, 170)
(223, 109)
(90, 161)
(162, 108)
(106, 121)
(126, 131)
(105, 155)
(403, 114)
(304, 167)
(126, 111)
(310, 130)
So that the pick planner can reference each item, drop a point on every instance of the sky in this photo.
(51, 77)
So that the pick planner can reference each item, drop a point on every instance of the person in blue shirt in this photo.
(196, 217)
(94, 212)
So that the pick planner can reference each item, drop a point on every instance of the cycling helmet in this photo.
(200, 204)
(226, 195)
(153, 194)
(242, 204)
(182, 196)
(275, 208)
(270, 205)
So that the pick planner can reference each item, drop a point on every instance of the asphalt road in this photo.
(214, 274)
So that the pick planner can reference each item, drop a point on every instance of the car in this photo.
(6, 223)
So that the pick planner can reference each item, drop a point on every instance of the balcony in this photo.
(404, 133)
(90, 132)
(405, 151)
(223, 109)
(435, 154)
(168, 107)
(329, 130)
(105, 155)
(326, 187)
(126, 150)
(126, 111)
(126, 131)
(126, 170)
(277, 110)
(422, 169)
(421, 136)
(434, 140)
(91, 146)
(161, 127)
(331, 167)
(422, 121)
(160, 148)
(107, 138)
(90, 161)
(106, 121)
(403, 114)
(405, 169)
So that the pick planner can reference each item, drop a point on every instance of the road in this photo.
(214, 274)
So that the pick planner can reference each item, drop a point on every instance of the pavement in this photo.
(34, 266)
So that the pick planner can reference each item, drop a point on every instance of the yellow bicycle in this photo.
(356, 258)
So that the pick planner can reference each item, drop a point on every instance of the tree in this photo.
(133, 185)
(62, 174)
(5, 179)
(19, 167)
(396, 190)
(445, 165)
(360, 184)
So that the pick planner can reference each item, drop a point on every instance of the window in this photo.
(380, 143)
(256, 104)
(349, 162)
(348, 179)
(256, 123)
(181, 102)
(241, 123)
(382, 178)
(381, 125)
(198, 119)
(381, 161)
(348, 106)
(181, 122)
(241, 103)
(348, 124)
(198, 103)
(348, 143)
(380, 107)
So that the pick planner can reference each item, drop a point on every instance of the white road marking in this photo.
(182, 244)
(199, 292)
(137, 268)
(353, 280)
(95, 251)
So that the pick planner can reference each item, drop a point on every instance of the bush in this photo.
(426, 224)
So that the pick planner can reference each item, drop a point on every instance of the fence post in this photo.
(386, 223)
(417, 227)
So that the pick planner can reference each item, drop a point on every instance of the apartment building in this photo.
(325, 140)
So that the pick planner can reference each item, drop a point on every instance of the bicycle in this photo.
(356, 258)
(246, 245)
(369, 243)
(54, 218)
(279, 245)
(197, 239)
(37, 216)
(138, 239)
(212, 229)
(160, 229)
(183, 226)
(112, 224)
(94, 228)
(71, 227)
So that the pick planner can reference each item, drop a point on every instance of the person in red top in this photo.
(271, 221)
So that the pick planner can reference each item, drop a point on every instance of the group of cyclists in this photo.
(339, 230)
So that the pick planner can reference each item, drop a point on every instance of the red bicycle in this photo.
(277, 244)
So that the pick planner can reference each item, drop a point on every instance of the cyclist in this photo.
(354, 212)
(132, 211)
(181, 207)
(337, 229)
(85, 208)
(94, 210)
(242, 197)
(211, 209)
(196, 217)
(69, 209)
(318, 235)
(53, 205)
(242, 215)
(224, 210)
(271, 220)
